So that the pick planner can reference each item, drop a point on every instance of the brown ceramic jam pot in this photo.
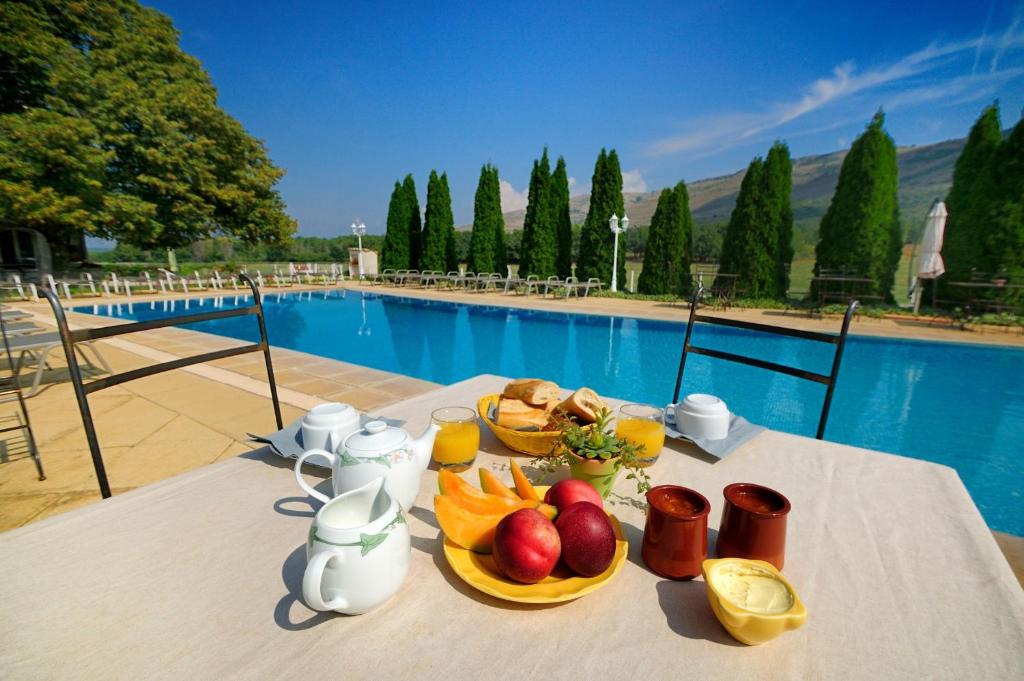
(753, 524)
(676, 534)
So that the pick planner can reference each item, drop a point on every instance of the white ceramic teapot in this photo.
(358, 551)
(378, 450)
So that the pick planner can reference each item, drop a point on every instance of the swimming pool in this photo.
(956, 404)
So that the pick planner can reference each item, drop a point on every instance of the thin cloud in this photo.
(983, 38)
(633, 181)
(707, 135)
(511, 199)
(1010, 39)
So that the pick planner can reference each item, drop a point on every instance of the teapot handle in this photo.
(333, 458)
(312, 578)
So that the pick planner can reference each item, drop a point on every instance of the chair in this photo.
(39, 345)
(11, 385)
(70, 339)
(553, 285)
(830, 380)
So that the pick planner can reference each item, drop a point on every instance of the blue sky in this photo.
(351, 96)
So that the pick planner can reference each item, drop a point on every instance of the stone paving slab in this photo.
(160, 426)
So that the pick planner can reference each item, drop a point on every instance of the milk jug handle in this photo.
(312, 579)
(302, 482)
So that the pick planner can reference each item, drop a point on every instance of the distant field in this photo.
(800, 276)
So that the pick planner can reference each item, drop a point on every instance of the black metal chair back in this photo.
(11, 384)
(82, 390)
(828, 380)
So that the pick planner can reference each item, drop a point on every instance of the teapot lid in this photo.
(375, 436)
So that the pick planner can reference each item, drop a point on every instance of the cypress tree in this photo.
(439, 229)
(395, 250)
(654, 278)
(448, 225)
(415, 224)
(861, 228)
(778, 193)
(681, 281)
(562, 221)
(970, 203)
(498, 224)
(748, 249)
(596, 240)
(539, 247)
(483, 244)
(1004, 243)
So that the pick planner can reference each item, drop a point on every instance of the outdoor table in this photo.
(198, 577)
(850, 288)
(997, 304)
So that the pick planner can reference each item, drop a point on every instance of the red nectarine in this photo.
(565, 493)
(526, 546)
(588, 540)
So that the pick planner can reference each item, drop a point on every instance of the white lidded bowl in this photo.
(325, 426)
(331, 414)
(703, 417)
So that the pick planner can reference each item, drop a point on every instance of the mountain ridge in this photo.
(925, 174)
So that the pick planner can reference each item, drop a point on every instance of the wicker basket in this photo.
(534, 443)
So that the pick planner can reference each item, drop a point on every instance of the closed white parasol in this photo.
(930, 266)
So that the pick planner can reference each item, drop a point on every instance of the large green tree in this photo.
(758, 244)
(778, 212)
(596, 239)
(439, 252)
(108, 128)
(560, 217)
(748, 249)
(861, 231)
(395, 252)
(669, 247)
(415, 221)
(970, 203)
(487, 243)
(540, 249)
(1004, 243)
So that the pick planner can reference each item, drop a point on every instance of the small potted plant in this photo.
(595, 454)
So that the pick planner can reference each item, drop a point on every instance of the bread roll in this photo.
(583, 404)
(518, 415)
(532, 391)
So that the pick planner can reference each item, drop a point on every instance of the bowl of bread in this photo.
(527, 414)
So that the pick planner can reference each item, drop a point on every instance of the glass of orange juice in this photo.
(642, 424)
(458, 440)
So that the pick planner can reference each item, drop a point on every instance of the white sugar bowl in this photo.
(703, 417)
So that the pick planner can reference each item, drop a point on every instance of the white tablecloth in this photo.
(198, 577)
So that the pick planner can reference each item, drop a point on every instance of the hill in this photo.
(926, 173)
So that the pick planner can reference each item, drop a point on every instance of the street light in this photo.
(613, 224)
(359, 230)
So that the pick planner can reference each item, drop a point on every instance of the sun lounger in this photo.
(38, 346)
(488, 281)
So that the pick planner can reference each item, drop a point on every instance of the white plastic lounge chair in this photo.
(38, 346)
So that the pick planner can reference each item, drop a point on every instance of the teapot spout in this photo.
(423, 445)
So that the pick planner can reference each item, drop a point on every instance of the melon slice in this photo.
(492, 485)
(472, 499)
(469, 530)
(523, 486)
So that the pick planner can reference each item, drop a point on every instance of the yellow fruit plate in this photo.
(480, 572)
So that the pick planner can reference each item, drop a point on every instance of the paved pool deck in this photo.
(168, 424)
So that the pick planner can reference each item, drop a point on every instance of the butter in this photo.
(752, 588)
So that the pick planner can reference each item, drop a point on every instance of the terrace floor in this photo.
(168, 424)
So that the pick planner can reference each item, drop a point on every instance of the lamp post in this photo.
(359, 230)
(613, 224)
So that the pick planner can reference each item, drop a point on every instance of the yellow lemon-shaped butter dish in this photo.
(752, 599)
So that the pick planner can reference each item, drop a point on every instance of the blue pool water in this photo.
(956, 404)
